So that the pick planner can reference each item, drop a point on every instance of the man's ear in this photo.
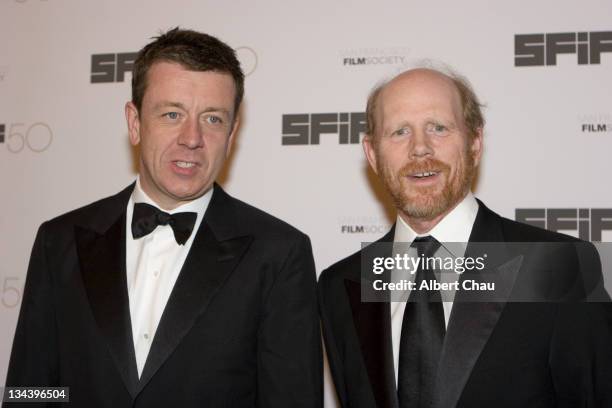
(370, 151)
(477, 146)
(232, 136)
(133, 123)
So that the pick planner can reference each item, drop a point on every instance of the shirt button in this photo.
(156, 273)
(146, 336)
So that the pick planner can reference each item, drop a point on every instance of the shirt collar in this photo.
(456, 227)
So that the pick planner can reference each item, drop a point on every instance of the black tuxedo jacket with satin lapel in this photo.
(495, 354)
(240, 328)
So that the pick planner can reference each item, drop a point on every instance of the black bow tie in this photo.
(147, 217)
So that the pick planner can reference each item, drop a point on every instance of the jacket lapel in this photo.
(101, 252)
(372, 322)
(214, 254)
(472, 320)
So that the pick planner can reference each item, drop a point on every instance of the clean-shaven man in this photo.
(172, 293)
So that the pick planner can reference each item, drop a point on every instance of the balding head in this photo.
(459, 87)
(425, 143)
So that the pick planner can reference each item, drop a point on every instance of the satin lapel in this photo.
(472, 320)
(102, 263)
(373, 325)
(206, 268)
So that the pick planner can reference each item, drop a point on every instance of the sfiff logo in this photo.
(112, 67)
(107, 68)
(307, 128)
(586, 223)
(3, 72)
(542, 49)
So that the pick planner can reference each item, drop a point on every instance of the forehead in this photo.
(420, 92)
(172, 80)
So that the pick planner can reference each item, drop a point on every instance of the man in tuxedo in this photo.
(533, 341)
(173, 293)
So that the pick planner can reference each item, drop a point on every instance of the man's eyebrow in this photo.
(394, 126)
(450, 123)
(168, 104)
(214, 109)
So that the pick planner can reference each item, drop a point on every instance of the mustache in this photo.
(422, 166)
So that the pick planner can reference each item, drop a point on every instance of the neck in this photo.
(422, 225)
(164, 202)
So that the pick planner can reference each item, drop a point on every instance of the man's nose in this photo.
(191, 135)
(420, 144)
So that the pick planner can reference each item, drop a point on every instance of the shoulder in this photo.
(518, 231)
(350, 267)
(514, 231)
(229, 216)
(95, 215)
(560, 266)
(263, 223)
(345, 268)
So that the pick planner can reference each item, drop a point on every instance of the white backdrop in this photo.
(63, 139)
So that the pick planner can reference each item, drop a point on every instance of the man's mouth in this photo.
(184, 164)
(424, 174)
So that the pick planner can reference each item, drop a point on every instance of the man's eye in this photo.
(214, 120)
(172, 115)
(401, 132)
(437, 128)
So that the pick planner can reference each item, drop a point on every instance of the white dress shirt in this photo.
(153, 264)
(453, 232)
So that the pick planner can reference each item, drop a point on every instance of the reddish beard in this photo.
(428, 202)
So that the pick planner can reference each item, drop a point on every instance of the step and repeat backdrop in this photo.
(542, 68)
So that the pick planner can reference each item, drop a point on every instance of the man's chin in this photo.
(422, 213)
(188, 195)
(425, 208)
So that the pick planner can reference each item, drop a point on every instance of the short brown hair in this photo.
(194, 51)
(471, 106)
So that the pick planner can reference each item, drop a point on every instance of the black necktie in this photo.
(422, 334)
(147, 217)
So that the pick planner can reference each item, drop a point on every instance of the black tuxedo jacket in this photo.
(240, 329)
(495, 353)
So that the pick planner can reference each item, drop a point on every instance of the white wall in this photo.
(537, 154)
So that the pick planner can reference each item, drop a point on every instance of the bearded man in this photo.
(533, 341)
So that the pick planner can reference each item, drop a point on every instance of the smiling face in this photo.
(185, 129)
(422, 150)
